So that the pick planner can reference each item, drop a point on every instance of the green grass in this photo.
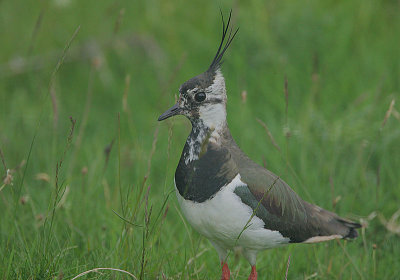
(100, 194)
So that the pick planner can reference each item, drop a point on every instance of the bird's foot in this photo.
(226, 274)
(253, 274)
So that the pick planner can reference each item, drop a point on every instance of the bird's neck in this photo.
(201, 135)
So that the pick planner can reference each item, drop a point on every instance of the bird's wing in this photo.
(283, 210)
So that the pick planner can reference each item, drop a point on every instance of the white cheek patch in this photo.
(213, 115)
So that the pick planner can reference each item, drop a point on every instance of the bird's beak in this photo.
(174, 110)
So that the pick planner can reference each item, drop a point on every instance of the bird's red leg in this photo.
(253, 274)
(226, 274)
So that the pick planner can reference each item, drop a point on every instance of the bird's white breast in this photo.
(223, 217)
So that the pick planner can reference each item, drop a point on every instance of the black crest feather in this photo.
(217, 61)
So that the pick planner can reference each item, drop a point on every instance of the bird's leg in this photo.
(253, 274)
(226, 274)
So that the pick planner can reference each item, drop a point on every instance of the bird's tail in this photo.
(326, 225)
(351, 226)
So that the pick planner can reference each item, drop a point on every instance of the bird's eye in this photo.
(200, 97)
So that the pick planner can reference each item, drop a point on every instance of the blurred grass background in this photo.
(98, 191)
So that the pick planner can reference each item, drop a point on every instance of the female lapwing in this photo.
(227, 197)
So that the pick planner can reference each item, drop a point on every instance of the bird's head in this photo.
(203, 97)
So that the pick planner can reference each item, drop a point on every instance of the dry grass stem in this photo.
(189, 262)
(104, 268)
(7, 179)
(38, 24)
(63, 197)
(396, 114)
(393, 225)
(287, 268)
(64, 54)
(243, 95)
(269, 134)
(388, 113)
(43, 177)
(315, 274)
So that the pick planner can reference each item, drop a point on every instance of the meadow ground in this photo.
(90, 170)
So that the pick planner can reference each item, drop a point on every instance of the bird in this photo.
(228, 198)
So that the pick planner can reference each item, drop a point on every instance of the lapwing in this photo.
(227, 197)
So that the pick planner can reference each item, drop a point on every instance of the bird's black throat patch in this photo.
(201, 178)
